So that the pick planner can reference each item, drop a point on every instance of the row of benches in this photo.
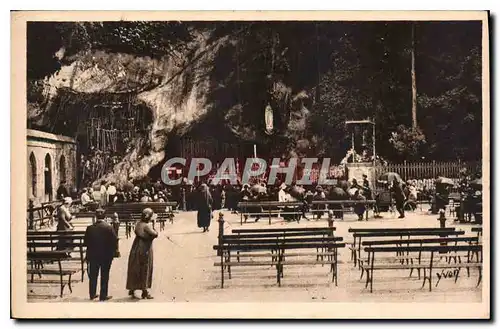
(415, 249)
(130, 213)
(408, 249)
(279, 248)
(46, 258)
(52, 253)
(296, 209)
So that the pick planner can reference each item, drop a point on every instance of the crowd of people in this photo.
(101, 238)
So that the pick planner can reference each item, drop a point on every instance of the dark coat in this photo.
(140, 260)
(204, 206)
(62, 192)
(101, 241)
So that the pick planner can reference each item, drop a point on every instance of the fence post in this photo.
(433, 169)
(221, 233)
(405, 171)
(31, 214)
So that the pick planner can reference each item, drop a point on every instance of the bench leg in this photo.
(425, 278)
(222, 274)
(82, 260)
(69, 284)
(480, 276)
(279, 273)
(456, 276)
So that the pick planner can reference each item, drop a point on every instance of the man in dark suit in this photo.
(101, 242)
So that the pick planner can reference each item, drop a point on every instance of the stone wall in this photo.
(50, 159)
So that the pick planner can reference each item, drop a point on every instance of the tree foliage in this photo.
(315, 75)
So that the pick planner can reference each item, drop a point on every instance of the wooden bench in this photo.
(49, 241)
(35, 258)
(478, 230)
(409, 258)
(276, 249)
(42, 216)
(429, 266)
(270, 209)
(128, 213)
(161, 219)
(362, 233)
(345, 205)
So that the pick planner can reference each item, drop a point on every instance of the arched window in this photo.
(32, 176)
(62, 169)
(48, 177)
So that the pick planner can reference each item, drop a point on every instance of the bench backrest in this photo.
(289, 229)
(406, 234)
(343, 202)
(280, 234)
(47, 255)
(419, 241)
(308, 245)
(137, 207)
(270, 204)
(279, 240)
(426, 248)
(401, 229)
(55, 233)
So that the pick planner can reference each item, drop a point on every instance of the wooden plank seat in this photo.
(362, 233)
(432, 261)
(74, 243)
(280, 259)
(344, 206)
(58, 257)
(269, 209)
(281, 230)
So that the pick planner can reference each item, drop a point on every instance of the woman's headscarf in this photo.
(205, 192)
(147, 214)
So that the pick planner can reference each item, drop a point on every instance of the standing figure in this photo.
(104, 197)
(115, 222)
(204, 207)
(101, 242)
(140, 260)
(64, 218)
(111, 193)
(399, 197)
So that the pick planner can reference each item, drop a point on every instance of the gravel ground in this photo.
(184, 270)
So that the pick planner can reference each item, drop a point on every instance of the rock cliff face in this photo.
(177, 91)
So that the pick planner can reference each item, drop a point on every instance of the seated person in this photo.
(359, 209)
(319, 195)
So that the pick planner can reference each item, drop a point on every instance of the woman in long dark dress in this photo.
(204, 207)
(140, 260)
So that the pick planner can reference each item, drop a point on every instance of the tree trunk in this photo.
(413, 80)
